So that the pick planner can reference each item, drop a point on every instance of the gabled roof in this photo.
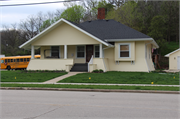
(111, 29)
(56, 24)
(172, 52)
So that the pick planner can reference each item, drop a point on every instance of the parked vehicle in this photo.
(16, 62)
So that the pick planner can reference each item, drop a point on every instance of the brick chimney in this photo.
(101, 13)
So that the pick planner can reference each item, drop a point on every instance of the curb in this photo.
(90, 90)
(90, 84)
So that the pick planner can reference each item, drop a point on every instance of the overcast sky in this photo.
(14, 14)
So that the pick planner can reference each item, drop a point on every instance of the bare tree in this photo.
(58, 12)
(31, 26)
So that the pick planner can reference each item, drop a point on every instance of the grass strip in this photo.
(162, 88)
(21, 76)
(114, 77)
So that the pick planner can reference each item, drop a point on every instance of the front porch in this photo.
(64, 57)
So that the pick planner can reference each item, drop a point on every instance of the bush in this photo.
(97, 71)
(101, 71)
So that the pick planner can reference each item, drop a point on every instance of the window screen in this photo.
(124, 50)
(80, 51)
(96, 51)
(55, 51)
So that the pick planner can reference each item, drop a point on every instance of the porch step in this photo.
(80, 68)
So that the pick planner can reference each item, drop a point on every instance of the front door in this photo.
(89, 52)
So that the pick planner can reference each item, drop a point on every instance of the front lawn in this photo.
(162, 88)
(114, 77)
(29, 76)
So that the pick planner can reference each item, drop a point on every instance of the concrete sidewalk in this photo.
(61, 77)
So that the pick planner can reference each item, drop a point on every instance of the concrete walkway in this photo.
(172, 71)
(52, 81)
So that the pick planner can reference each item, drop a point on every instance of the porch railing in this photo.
(90, 62)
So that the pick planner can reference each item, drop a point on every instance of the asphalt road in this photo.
(30, 104)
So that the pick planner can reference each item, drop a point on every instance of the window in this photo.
(55, 51)
(24, 59)
(6, 60)
(21, 60)
(124, 50)
(17, 60)
(80, 51)
(96, 51)
(14, 60)
(11, 60)
(2, 61)
(28, 59)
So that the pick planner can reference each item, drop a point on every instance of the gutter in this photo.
(136, 39)
(146, 53)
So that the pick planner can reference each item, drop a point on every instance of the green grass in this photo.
(113, 77)
(94, 87)
(21, 76)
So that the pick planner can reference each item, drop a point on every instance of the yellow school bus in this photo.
(16, 62)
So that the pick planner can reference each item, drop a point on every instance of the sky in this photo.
(14, 14)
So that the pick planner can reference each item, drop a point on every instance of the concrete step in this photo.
(79, 67)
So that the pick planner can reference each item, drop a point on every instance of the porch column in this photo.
(100, 50)
(65, 51)
(32, 51)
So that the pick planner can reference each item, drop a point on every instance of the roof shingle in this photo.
(110, 29)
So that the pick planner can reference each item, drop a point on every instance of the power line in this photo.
(37, 3)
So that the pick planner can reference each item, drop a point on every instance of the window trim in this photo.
(95, 52)
(84, 52)
(120, 50)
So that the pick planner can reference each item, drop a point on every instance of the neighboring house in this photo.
(174, 60)
(103, 44)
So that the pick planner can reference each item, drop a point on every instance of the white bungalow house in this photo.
(99, 44)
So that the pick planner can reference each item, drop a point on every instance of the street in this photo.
(35, 104)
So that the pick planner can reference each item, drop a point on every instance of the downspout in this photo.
(146, 55)
(103, 56)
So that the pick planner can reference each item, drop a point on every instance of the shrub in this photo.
(97, 71)
(101, 71)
